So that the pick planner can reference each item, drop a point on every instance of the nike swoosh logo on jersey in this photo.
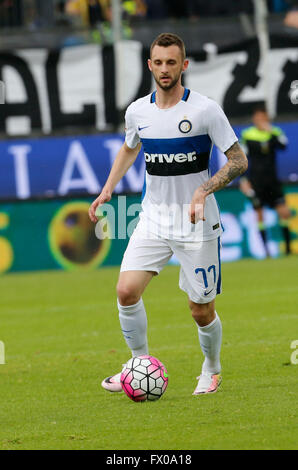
(207, 293)
(141, 128)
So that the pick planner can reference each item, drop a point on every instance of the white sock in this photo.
(210, 341)
(133, 321)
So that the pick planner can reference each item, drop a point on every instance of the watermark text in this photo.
(166, 220)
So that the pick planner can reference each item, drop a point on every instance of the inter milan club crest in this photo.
(185, 126)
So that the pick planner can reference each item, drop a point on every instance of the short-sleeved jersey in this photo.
(177, 145)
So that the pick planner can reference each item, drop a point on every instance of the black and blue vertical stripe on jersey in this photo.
(177, 156)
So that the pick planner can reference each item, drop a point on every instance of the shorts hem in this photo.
(155, 270)
(201, 300)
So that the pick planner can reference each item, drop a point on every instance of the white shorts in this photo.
(200, 272)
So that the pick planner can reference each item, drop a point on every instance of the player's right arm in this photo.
(123, 161)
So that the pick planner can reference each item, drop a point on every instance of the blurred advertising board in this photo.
(89, 86)
(57, 233)
(66, 166)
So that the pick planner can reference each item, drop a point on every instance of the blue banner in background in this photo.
(49, 167)
(61, 166)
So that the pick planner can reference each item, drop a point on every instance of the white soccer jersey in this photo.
(177, 145)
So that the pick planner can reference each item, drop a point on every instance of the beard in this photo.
(167, 86)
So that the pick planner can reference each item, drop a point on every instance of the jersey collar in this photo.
(184, 97)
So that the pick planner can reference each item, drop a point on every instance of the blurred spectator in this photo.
(30, 13)
(38, 13)
(61, 17)
(134, 8)
(89, 12)
(291, 18)
(46, 12)
(97, 14)
(131, 10)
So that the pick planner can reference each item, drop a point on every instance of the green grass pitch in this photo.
(62, 336)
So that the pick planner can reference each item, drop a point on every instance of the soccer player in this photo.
(260, 142)
(177, 128)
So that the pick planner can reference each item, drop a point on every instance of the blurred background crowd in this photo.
(34, 14)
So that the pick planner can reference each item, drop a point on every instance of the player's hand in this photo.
(197, 205)
(245, 186)
(105, 196)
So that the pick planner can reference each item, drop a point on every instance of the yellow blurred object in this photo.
(81, 7)
(6, 258)
(4, 220)
(292, 202)
(134, 7)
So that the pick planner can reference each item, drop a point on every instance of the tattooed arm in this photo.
(235, 166)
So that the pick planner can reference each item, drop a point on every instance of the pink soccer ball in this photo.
(144, 378)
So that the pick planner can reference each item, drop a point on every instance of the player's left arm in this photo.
(235, 166)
